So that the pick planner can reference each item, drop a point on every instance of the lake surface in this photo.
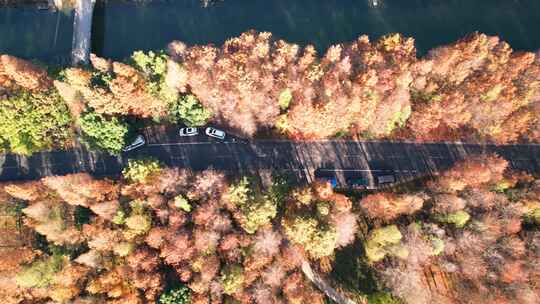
(120, 28)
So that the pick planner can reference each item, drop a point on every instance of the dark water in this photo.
(119, 29)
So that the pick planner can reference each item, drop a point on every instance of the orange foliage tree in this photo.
(476, 84)
(470, 229)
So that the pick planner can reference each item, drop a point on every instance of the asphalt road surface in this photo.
(348, 158)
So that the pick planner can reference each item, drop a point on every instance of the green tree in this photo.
(180, 295)
(458, 219)
(437, 245)
(383, 241)
(281, 186)
(232, 278)
(285, 98)
(256, 209)
(190, 111)
(139, 223)
(154, 66)
(119, 218)
(41, 272)
(382, 298)
(140, 170)
(107, 133)
(318, 239)
(181, 202)
(534, 215)
(30, 122)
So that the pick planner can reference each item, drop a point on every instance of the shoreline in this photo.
(41, 4)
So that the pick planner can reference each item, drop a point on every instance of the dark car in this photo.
(358, 183)
(331, 180)
(240, 140)
(383, 173)
(326, 175)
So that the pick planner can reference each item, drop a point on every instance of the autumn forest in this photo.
(157, 234)
(470, 235)
(476, 89)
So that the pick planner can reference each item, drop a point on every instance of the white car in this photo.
(212, 132)
(188, 132)
(138, 142)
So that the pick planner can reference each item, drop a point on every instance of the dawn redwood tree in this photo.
(360, 87)
(470, 229)
(114, 88)
(81, 189)
(18, 73)
(319, 220)
(476, 88)
(237, 83)
(388, 206)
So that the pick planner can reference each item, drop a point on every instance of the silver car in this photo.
(212, 132)
(138, 142)
(386, 179)
(188, 131)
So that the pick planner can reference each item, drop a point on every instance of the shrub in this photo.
(189, 110)
(107, 133)
(33, 122)
(180, 295)
(140, 170)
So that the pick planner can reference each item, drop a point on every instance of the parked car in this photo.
(386, 179)
(240, 140)
(358, 183)
(188, 131)
(326, 175)
(138, 142)
(213, 132)
(331, 180)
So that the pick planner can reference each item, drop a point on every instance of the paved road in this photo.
(408, 160)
